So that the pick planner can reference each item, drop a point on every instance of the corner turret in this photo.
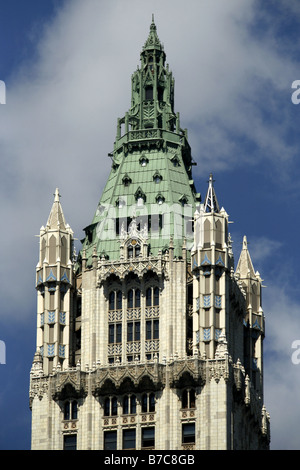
(54, 284)
(254, 321)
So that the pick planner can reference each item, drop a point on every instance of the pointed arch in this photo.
(207, 229)
(52, 249)
(63, 250)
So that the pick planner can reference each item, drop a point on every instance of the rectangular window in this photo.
(133, 331)
(111, 334)
(188, 433)
(148, 329)
(115, 333)
(110, 440)
(137, 331)
(148, 439)
(152, 329)
(51, 334)
(129, 331)
(155, 329)
(70, 442)
(129, 439)
(149, 93)
(118, 333)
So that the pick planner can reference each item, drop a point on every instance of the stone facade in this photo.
(149, 338)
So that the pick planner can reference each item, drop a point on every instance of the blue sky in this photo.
(67, 68)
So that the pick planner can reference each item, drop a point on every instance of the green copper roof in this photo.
(151, 174)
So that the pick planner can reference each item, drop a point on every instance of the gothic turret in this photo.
(212, 261)
(54, 284)
(251, 283)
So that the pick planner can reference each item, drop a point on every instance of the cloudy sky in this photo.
(67, 67)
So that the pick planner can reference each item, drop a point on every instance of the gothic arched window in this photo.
(134, 249)
(188, 399)
(152, 296)
(115, 300)
(110, 406)
(70, 410)
(148, 402)
(134, 298)
(129, 404)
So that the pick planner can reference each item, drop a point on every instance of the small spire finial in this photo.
(153, 25)
(211, 203)
(56, 195)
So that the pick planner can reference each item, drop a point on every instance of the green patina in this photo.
(151, 174)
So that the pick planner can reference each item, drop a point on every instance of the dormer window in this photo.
(183, 200)
(126, 180)
(175, 161)
(143, 160)
(157, 178)
(134, 249)
(160, 199)
(120, 203)
(140, 197)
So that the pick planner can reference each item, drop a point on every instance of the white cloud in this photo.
(262, 248)
(282, 377)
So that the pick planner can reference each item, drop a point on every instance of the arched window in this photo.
(132, 404)
(74, 409)
(188, 399)
(151, 402)
(143, 160)
(52, 250)
(112, 301)
(114, 406)
(126, 405)
(130, 298)
(70, 410)
(115, 300)
(129, 404)
(110, 406)
(107, 407)
(134, 298)
(152, 296)
(134, 249)
(145, 403)
(148, 403)
(67, 410)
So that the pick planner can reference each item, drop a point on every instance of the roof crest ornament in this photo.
(133, 231)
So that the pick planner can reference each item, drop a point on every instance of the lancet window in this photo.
(129, 404)
(188, 398)
(70, 410)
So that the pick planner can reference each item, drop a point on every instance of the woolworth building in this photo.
(151, 337)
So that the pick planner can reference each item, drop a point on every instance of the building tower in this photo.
(150, 338)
